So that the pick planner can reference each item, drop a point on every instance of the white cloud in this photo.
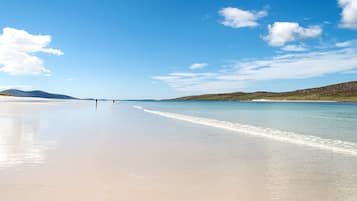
(198, 65)
(296, 66)
(349, 14)
(17, 52)
(294, 48)
(283, 32)
(198, 82)
(286, 66)
(344, 44)
(237, 18)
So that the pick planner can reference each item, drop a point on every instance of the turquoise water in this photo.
(336, 121)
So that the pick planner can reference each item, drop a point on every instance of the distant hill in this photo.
(338, 92)
(34, 94)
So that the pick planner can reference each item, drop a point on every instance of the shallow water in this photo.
(73, 151)
(324, 119)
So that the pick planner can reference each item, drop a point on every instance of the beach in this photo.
(71, 150)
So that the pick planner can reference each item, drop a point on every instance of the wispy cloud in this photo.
(17, 52)
(198, 82)
(349, 14)
(238, 18)
(296, 66)
(284, 32)
(344, 44)
(195, 66)
(284, 66)
(294, 48)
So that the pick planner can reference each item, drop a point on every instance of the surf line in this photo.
(337, 146)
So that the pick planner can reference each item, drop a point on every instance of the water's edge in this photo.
(337, 146)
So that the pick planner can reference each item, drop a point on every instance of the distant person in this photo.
(113, 101)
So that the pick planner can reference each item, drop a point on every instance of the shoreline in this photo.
(118, 152)
(295, 101)
(333, 145)
(15, 99)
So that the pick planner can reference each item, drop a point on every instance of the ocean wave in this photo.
(333, 145)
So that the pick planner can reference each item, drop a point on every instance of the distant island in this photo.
(34, 94)
(344, 92)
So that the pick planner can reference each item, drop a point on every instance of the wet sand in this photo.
(72, 151)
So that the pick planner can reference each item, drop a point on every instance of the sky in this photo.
(133, 49)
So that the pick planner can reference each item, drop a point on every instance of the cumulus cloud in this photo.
(18, 50)
(284, 32)
(237, 18)
(294, 48)
(198, 65)
(285, 66)
(349, 14)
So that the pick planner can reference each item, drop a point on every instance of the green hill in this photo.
(338, 92)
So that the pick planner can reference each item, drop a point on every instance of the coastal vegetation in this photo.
(337, 92)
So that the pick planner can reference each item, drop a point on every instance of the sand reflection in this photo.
(18, 142)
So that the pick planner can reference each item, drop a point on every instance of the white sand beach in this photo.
(73, 151)
(28, 100)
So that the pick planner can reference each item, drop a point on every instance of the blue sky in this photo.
(159, 49)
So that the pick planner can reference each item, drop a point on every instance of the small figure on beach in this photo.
(113, 101)
(96, 103)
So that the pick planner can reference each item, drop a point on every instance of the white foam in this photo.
(337, 146)
(138, 107)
